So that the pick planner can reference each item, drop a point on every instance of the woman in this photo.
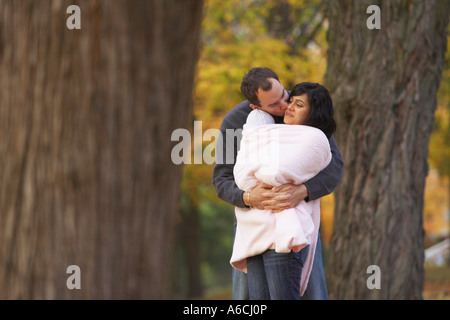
(274, 247)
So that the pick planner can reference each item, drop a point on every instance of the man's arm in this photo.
(328, 179)
(226, 188)
(226, 151)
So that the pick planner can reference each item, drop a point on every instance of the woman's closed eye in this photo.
(298, 103)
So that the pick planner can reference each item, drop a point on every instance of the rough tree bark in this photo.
(86, 118)
(383, 83)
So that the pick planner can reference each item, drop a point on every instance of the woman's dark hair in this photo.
(319, 99)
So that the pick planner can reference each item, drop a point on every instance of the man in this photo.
(263, 89)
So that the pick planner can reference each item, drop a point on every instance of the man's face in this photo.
(274, 101)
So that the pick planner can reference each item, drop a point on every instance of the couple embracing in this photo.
(277, 250)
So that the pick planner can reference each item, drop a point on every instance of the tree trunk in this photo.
(189, 233)
(383, 83)
(86, 117)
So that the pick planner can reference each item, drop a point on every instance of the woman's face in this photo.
(298, 110)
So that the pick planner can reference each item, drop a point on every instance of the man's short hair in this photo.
(254, 79)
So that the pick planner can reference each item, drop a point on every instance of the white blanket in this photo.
(277, 154)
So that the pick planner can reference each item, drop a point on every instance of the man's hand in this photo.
(277, 199)
(255, 197)
(284, 197)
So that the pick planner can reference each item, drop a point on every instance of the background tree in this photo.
(384, 85)
(85, 119)
(439, 156)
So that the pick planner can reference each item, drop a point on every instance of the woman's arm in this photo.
(289, 195)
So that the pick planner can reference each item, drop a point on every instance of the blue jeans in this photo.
(275, 276)
(316, 290)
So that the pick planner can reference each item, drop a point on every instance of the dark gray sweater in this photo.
(226, 151)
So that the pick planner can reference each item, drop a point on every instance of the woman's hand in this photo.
(284, 197)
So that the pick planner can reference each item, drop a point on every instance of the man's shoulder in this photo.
(237, 116)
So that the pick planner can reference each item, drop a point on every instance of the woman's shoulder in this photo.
(259, 117)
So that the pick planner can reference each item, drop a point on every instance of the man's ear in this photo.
(254, 106)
